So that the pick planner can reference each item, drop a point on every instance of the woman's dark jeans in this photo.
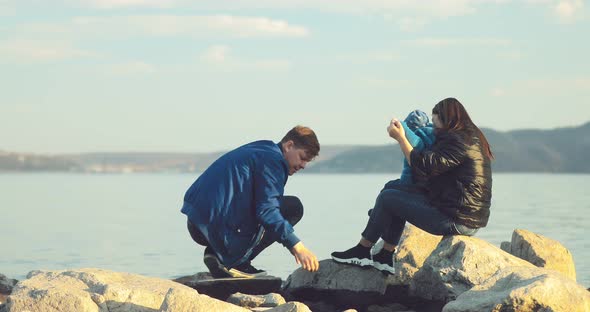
(290, 207)
(398, 203)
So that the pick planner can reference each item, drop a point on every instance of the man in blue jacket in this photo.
(236, 208)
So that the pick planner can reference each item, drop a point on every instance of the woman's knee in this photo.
(383, 205)
(390, 198)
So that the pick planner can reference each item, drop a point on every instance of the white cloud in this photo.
(113, 4)
(407, 14)
(543, 87)
(170, 25)
(546, 87)
(498, 92)
(410, 24)
(437, 7)
(5, 9)
(432, 7)
(568, 10)
(41, 51)
(386, 83)
(271, 65)
(442, 42)
(253, 26)
(216, 54)
(582, 83)
(383, 56)
(369, 57)
(557, 85)
(511, 55)
(132, 68)
(220, 57)
(411, 16)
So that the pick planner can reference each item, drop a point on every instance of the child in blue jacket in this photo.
(420, 134)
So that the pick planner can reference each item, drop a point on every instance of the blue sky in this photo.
(197, 76)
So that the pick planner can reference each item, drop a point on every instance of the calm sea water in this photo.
(133, 223)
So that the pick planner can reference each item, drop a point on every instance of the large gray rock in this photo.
(332, 275)
(392, 307)
(178, 300)
(543, 252)
(415, 247)
(505, 246)
(222, 288)
(340, 284)
(291, 307)
(254, 301)
(90, 290)
(457, 264)
(6, 284)
(322, 306)
(523, 289)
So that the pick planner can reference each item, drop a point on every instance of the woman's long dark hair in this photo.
(454, 117)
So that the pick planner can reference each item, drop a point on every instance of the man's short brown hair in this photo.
(305, 138)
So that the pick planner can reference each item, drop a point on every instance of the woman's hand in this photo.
(396, 130)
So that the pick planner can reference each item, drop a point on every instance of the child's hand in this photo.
(395, 129)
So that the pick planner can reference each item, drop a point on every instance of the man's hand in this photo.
(396, 130)
(305, 257)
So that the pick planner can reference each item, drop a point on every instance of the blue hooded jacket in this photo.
(420, 133)
(236, 200)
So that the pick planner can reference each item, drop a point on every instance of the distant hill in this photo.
(144, 162)
(555, 150)
(30, 162)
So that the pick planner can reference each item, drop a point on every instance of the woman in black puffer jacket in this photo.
(451, 194)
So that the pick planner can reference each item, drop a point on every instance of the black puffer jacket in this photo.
(457, 176)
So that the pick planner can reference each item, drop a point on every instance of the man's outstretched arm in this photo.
(268, 189)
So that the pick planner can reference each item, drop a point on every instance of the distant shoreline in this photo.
(562, 150)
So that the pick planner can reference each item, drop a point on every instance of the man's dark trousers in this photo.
(290, 207)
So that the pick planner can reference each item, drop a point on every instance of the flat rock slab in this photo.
(346, 286)
(222, 288)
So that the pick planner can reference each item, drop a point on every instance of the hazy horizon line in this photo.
(225, 150)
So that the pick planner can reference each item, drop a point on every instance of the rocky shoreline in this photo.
(433, 273)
